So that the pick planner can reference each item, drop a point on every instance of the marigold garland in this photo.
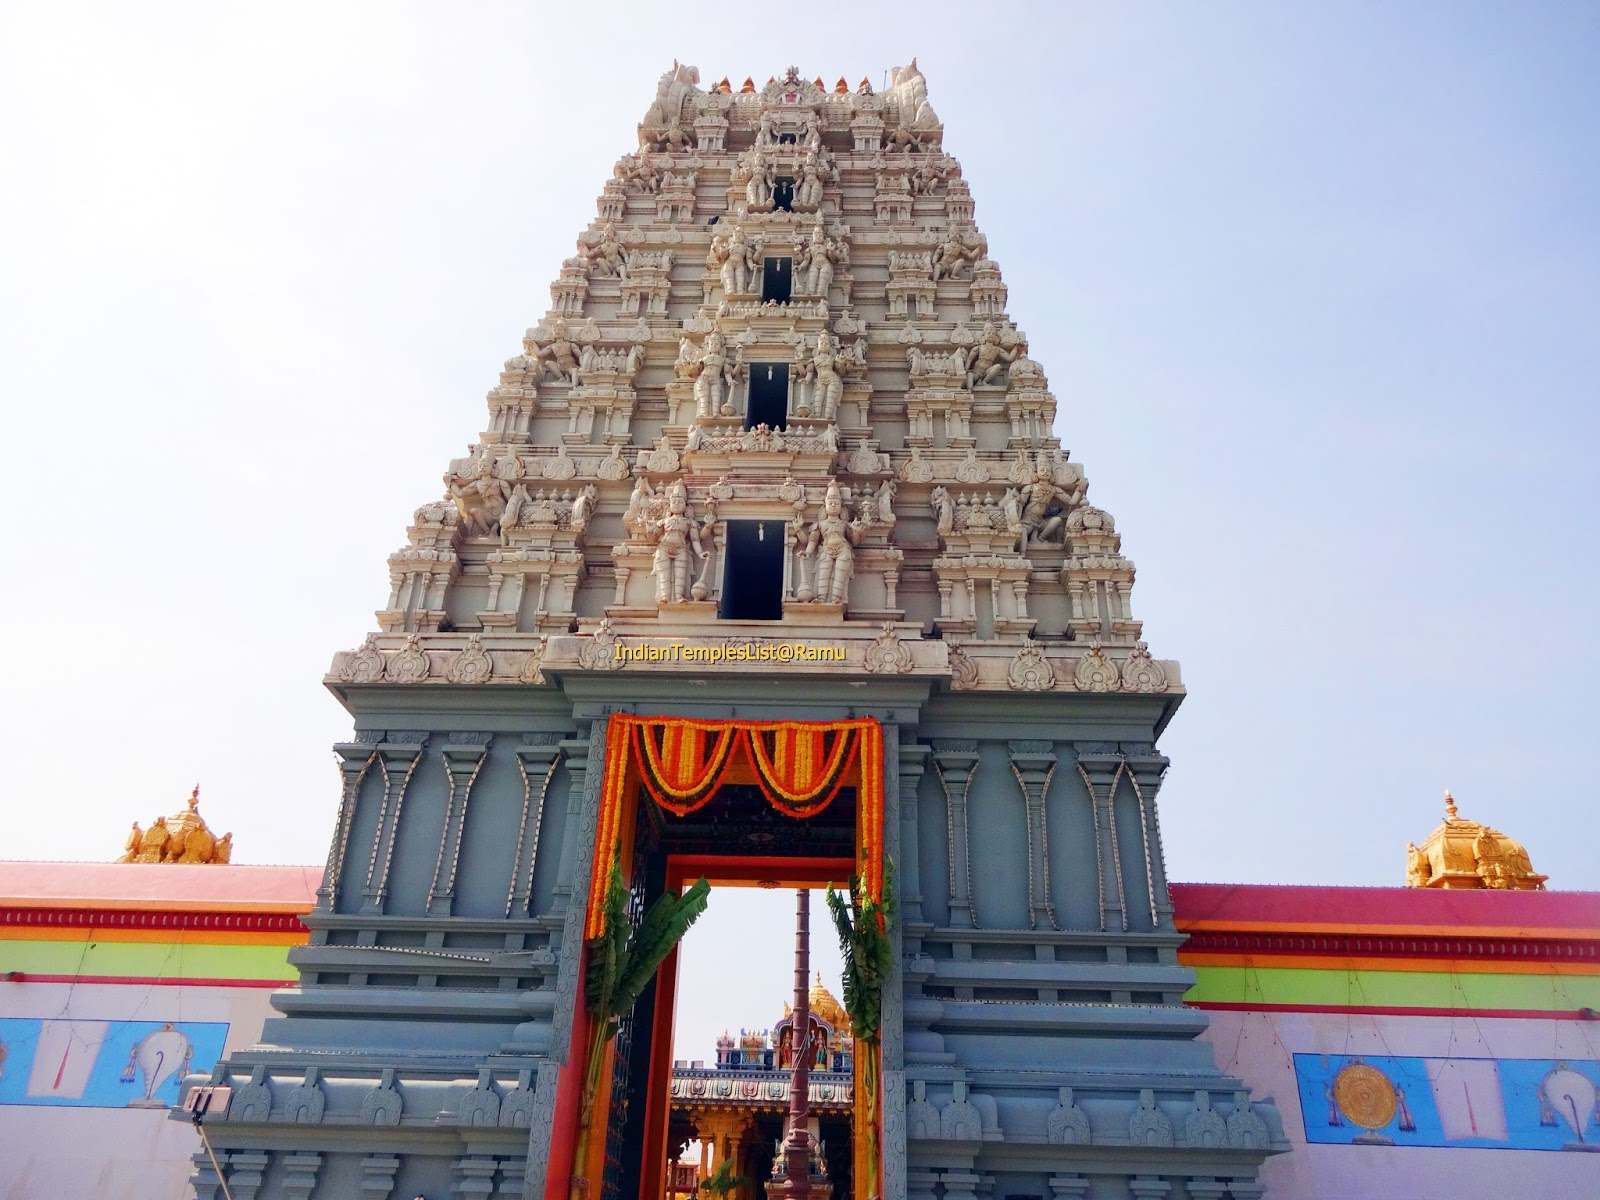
(799, 767)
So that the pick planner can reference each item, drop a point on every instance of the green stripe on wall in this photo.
(147, 960)
(1392, 989)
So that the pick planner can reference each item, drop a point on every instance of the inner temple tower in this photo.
(776, 452)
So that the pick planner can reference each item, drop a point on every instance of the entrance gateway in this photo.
(951, 701)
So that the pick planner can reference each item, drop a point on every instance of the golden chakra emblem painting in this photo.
(1365, 1097)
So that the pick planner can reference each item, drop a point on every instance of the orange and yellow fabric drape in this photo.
(799, 767)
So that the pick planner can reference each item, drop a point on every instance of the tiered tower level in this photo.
(777, 449)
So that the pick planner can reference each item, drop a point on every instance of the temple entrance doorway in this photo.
(733, 1042)
(761, 810)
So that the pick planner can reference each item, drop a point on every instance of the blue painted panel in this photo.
(1486, 1103)
(103, 1064)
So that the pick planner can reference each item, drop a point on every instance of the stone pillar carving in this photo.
(959, 1184)
(577, 753)
(247, 1170)
(399, 759)
(473, 1176)
(578, 854)
(204, 1180)
(913, 761)
(1145, 772)
(1102, 771)
(463, 758)
(1148, 1187)
(956, 759)
(1069, 1187)
(377, 1176)
(355, 759)
(536, 760)
(511, 1178)
(1034, 765)
(300, 1175)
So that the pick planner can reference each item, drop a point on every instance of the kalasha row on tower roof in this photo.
(777, 381)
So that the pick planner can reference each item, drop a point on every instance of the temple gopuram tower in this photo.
(768, 565)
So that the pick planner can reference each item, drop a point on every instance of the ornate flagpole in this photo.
(795, 1181)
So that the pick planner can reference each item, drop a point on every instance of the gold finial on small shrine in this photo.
(1462, 853)
(183, 837)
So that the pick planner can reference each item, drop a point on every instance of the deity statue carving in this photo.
(908, 94)
(1418, 871)
(808, 187)
(607, 257)
(665, 121)
(480, 498)
(758, 191)
(636, 170)
(987, 361)
(817, 259)
(1043, 506)
(821, 385)
(960, 247)
(678, 545)
(558, 360)
(830, 550)
(931, 175)
(944, 510)
(736, 260)
(714, 376)
(583, 508)
(883, 503)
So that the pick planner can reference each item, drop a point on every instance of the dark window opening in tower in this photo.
(783, 193)
(752, 572)
(769, 396)
(777, 280)
(788, 139)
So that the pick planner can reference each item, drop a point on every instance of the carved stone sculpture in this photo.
(830, 548)
(678, 543)
(988, 360)
(480, 499)
(817, 259)
(711, 377)
(960, 247)
(607, 256)
(1044, 507)
(821, 385)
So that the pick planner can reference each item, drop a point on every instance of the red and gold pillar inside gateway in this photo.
(799, 767)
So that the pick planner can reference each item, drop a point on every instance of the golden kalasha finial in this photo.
(1462, 853)
(183, 837)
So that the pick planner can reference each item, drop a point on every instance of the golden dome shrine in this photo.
(183, 837)
(1467, 854)
(825, 1005)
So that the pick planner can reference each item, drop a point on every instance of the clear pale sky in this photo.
(1315, 285)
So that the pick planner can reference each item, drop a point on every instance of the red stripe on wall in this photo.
(137, 918)
(1337, 945)
(146, 980)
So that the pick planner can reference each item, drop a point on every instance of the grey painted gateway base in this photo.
(941, 571)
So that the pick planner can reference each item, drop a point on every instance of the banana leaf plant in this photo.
(622, 961)
(863, 925)
(721, 1181)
